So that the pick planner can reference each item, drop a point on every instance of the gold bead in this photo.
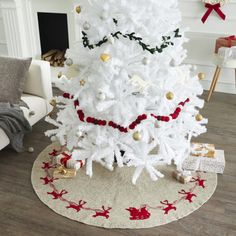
(105, 57)
(170, 96)
(78, 9)
(201, 76)
(82, 82)
(53, 102)
(59, 75)
(137, 136)
(199, 117)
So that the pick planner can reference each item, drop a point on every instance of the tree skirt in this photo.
(110, 200)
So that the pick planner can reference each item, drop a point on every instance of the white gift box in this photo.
(67, 161)
(227, 53)
(214, 165)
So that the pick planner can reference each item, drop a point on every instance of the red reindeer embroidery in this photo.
(138, 214)
(48, 180)
(47, 166)
(103, 213)
(53, 153)
(170, 206)
(57, 195)
(200, 182)
(77, 207)
(188, 195)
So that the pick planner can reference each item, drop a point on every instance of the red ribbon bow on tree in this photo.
(213, 7)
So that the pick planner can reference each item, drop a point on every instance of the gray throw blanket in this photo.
(14, 124)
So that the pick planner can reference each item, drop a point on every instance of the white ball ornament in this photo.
(86, 26)
(157, 124)
(101, 96)
(69, 62)
(173, 63)
(111, 40)
(30, 149)
(145, 61)
(104, 15)
(53, 138)
(79, 133)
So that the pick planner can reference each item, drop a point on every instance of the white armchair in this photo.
(37, 95)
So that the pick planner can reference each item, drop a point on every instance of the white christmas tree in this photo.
(133, 102)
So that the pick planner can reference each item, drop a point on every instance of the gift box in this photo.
(203, 150)
(64, 173)
(227, 53)
(183, 177)
(67, 161)
(214, 165)
(227, 42)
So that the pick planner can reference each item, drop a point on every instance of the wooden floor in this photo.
(22, 213)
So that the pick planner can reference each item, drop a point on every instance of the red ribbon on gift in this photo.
(213, 7)
(65, 159)
(230, 39)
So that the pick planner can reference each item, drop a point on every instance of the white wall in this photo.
(202, 39)
(3, 43)
(57, 6)
(202, 36)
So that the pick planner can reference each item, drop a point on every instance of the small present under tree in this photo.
(133, 103)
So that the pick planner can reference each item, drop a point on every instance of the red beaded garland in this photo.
(133, 125)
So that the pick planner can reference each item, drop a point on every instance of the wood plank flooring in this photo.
(21, 213)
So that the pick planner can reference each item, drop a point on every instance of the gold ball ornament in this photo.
(199, 117)
(78, 9)
(170, 96)
(82, 83)
(105, 57)
(201, 76)
(137, 136)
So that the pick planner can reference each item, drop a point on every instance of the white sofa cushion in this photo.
(38, 80)
(38, 105)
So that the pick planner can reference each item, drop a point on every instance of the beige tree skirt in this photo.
(110, 200)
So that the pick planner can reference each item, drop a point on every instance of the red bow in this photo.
(213, 7)
(65, 159)
(230, 39)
